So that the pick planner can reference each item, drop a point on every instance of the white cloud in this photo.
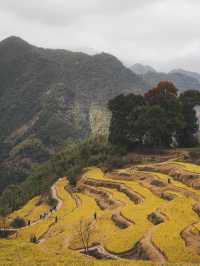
(160, 32)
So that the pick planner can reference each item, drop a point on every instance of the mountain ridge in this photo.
(192, 74)
(141, 69)
(47, 98)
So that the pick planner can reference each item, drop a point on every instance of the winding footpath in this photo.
(54, 195)
(58, 207)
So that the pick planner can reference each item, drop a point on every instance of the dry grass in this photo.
(62, 240)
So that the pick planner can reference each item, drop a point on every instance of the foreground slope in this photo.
(141, 215)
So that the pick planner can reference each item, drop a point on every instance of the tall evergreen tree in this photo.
(189, 100)
(120, 107)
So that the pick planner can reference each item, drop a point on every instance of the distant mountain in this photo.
(140, 69)
(181, 80)
(188, 73)
(184, 80)
(47, 96)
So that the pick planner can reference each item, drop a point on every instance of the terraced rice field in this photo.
(142, 215)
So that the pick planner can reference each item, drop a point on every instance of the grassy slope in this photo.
(62, 235)
(68, 220)
(31, 211)
(125, 239)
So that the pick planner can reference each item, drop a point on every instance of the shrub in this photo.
(18, 222)
(33, 239)
(52, 202)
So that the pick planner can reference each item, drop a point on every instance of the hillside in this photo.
(188, 73)
(47, 97)
(136, 216)
(140, 69)
(46, 92)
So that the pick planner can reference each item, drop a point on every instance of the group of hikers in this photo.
(45, 215)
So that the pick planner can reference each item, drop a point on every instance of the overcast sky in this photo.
(163, 33)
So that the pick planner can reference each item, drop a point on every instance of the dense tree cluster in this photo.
(160, 118)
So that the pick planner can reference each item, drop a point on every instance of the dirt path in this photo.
(74, 196)
(55, 196)
(58, 207)
(43, 237)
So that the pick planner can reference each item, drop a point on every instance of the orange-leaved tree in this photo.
(164, 91)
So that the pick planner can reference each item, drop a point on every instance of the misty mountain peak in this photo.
(142, 69)
(13, 40)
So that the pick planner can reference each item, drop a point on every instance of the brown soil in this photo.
(186, 177)
(191, 238)
(156, 157)
(146, 180)
(121, 221)
(168, 196)
(132, 195)
(158, 183)
(145, 249)
(157, 218)
(196, 208)
(103, 198)
(98, 252)
(8, 233)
